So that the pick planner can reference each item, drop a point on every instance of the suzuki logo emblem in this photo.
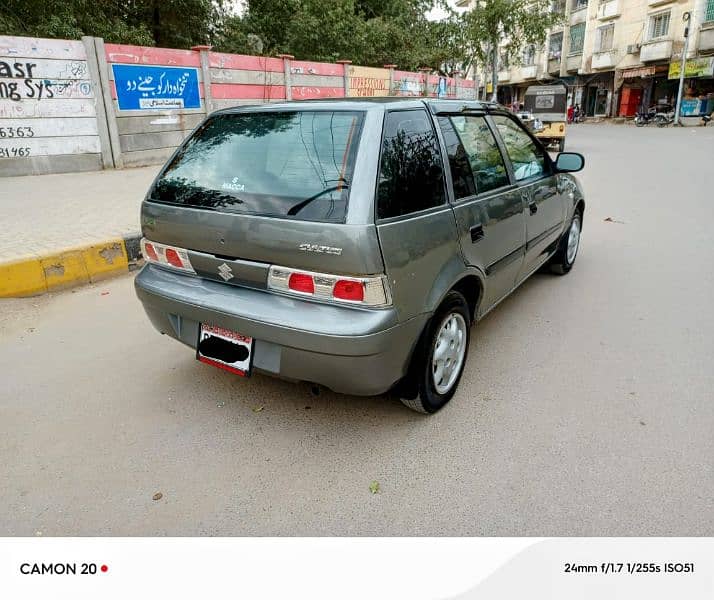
(225, 271)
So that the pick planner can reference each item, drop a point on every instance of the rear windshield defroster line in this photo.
(288, 164)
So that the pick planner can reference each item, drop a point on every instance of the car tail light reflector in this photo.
(167, 256)
(360, 291)
(150, 252)
(346, 289)
(173, 258)
(301, 282)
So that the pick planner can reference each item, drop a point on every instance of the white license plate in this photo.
(225, 349)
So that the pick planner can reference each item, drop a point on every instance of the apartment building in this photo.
(616, 56)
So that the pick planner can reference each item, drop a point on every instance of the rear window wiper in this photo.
(344, 184)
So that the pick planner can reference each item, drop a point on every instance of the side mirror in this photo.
(569, 162)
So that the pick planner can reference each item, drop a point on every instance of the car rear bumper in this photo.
(349, 350)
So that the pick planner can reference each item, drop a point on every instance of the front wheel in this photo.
(639, 121)
(567, 251)
(439, 359)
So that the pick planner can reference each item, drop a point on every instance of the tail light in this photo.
(360, 291)
(168, 256)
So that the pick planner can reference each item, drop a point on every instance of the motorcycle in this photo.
(660, 115)
(643, 118)
(662, 119)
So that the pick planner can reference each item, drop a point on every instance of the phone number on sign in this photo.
(633, 568)
(14, 152)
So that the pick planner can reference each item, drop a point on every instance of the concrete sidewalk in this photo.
(64, 230)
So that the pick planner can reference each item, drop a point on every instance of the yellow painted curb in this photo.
(36, 275)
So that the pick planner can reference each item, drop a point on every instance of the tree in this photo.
(368, 32)
(517, 23)
(170, 23)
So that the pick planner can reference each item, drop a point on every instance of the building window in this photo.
(503, 62)
(578, 4)
(659, 25)
(709, 13)
(529, 55)
(577, 37)
(605, 37)
(558, 6)
(555, 45)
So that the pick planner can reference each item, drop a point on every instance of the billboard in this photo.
(141, 87)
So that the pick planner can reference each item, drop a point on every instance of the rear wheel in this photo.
(561, 145)
(660, 120)
(439, 360)
(567, 251)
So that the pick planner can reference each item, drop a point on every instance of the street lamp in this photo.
(686, 17)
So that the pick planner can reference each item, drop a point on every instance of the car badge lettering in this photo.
(234, 185)
(319, 249)
(225, 272)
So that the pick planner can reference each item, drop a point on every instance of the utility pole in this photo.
(686, 17)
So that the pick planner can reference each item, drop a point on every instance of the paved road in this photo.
(586, 407)
(49, 213)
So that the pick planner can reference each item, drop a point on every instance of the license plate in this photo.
(225, 349)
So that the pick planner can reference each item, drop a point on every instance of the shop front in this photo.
(597, 94)
(643, 87)
(698, 92)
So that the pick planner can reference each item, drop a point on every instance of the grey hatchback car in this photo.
(352, 243)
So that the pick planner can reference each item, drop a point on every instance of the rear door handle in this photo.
(476, 233)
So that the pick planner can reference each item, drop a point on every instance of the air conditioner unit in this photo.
(633, 48)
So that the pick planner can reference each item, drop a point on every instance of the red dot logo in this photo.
(104, 568)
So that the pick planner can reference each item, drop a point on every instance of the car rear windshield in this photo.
(295, 165)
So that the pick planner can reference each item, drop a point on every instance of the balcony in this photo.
(554, 66)
(573, 63)
(706, 38)
(504, 76)
(659, 2)
(579, 15)
(608, 10)
(656, 50)
(605, 60)
(529, 72)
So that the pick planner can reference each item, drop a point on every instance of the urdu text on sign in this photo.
(142, 87)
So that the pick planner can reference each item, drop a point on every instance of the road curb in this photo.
(41, 273)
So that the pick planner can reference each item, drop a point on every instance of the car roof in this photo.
(369, 103)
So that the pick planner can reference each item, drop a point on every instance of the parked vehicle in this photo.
(662, 119)
(352, 243)
(705, 120)
(645, 117)
(548, 104)
(661, 115)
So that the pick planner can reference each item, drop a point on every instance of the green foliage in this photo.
(490, 21)
(367, 32)
(169, 23)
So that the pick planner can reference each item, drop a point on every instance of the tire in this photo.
(640, 122)
(561, 145)
(661, 121)
(449, 328)
(564, 257)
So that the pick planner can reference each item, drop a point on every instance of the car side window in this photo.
(527, 158)
(411, 174)
(473, 154)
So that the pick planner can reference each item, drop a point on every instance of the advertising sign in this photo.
(695, 67)
(368, 81)
(142, 87)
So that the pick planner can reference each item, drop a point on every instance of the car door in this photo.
(488, 208)
(534, 175)
(415, 224)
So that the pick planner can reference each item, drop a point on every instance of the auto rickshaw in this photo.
(548, 104)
